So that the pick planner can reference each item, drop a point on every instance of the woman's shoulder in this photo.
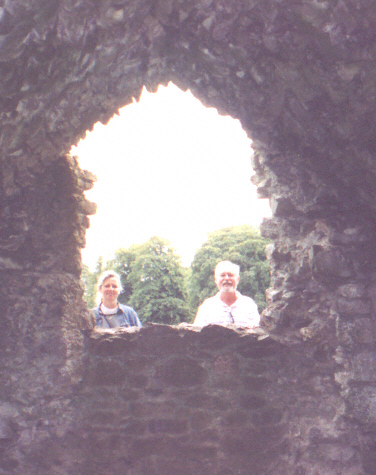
(125, 308)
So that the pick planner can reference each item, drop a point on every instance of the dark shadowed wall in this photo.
(300, 76)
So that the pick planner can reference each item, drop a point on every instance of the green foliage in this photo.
(122, 265)
(153, 281)
(241, 245)
(157, 286)
(89, 280)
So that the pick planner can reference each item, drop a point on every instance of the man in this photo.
(228, 306)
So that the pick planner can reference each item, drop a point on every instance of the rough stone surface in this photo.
(300, 76)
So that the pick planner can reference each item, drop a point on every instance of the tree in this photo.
(153, 280)
(241, 245)
(89, 280)
(122, 264)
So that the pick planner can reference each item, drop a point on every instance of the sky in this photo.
(167, 166)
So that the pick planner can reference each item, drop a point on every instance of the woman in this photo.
(110, 313)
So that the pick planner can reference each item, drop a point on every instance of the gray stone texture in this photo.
(300, 77)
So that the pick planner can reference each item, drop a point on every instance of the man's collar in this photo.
(218, 295)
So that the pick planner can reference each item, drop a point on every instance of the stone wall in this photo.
(176, 400)
(300, 77)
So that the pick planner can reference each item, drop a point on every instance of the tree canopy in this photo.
(161, 290)
(242, 245)
(89, 281)
(153, 281)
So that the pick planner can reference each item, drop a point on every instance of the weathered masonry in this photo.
(300, 75)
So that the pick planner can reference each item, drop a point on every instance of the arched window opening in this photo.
(168, 167)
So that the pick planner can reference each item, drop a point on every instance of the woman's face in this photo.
(110, 291)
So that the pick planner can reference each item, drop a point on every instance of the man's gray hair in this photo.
(224, 266)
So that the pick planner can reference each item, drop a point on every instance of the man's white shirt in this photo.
(243, 312)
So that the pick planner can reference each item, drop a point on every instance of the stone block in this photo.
(138, 381)
(251, 402)
(253, 442)
(333, 452)
(200, 419)
(255, 383)
(362, 402)
(182, 372)
(353, 307)
(358, 331)
(214, 337)
(208, 436)
(105, 373)
(184, 466)
(168, 426)
(132, 426)
(235, 418)
(7, 464)
(208, 401)
(269, 416)
(330, 265)
(259, 349)
(146, 409)
(101, 417)
(364, 365)
(351, 291)
(202, 452)
(110, 343)
(154, 445)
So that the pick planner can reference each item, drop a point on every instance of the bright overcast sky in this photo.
(167, 167)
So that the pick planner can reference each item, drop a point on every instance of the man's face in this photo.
(226, 281)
